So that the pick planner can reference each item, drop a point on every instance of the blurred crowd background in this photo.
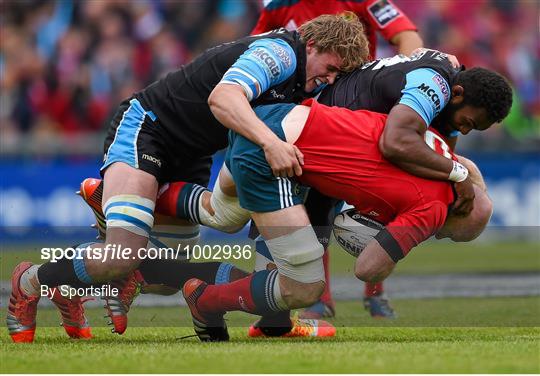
(66, 65)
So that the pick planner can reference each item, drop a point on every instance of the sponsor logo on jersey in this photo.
(441, 83)
(151, 159)
(431, 94)
(276, 95)
(439, 56)
(383, 11)
(268, 60)
(282, 54)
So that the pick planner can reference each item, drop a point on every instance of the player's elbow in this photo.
(215, 99)
(371, 273)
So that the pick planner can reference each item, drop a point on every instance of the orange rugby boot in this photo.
(300, 328)
(118, 306)
(72, 312)
(91, 191)
(22, 309)
(208, 327)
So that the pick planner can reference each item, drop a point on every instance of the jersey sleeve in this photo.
(426, 92)
(387, 18)
(408, 230)
(266, 63)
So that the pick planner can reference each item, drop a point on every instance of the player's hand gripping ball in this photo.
(353, 231)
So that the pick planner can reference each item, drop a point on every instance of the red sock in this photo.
(326, 297)
(167, 200)
(373, 289)
(234, 296)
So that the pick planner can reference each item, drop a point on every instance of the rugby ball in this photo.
(353, 231)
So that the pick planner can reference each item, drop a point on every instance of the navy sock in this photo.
(175, 273)
(188, 202)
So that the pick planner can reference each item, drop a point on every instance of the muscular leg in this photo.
(121, 179)
(280, 224)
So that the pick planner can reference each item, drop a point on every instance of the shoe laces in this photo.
(129, 288)
(72, 310)
(24, 308)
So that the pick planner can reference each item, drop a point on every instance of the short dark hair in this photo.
(487, 89)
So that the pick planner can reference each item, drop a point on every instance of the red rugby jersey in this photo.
(342, 160)
(377, 16)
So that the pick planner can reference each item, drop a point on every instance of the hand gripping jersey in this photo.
(342, 160)
(270, 68)
(421, 82)
(376, 15)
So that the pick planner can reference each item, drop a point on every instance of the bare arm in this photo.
(402, 143)
(407, 41)
(373, 264)
(231, 108)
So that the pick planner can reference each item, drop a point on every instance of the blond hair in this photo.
(341, 34)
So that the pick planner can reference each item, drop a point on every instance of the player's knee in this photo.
(228, 216)
(298, 258)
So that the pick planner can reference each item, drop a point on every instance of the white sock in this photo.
(29, 281)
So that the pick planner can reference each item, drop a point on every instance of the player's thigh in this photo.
(122, 179)
(134, 162)
(281, 222)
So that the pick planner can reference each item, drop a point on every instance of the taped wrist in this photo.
(458, 173)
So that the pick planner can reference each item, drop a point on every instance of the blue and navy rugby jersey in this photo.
(269, 67)
(421, 82)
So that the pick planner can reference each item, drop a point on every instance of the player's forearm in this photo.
(402, 143)
(232, 109)
(407, 41)
(416, 158)
(424, 172)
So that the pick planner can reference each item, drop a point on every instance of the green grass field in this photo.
(511, 345)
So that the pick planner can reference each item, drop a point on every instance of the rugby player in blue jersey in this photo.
(169, 131)
(416, 92)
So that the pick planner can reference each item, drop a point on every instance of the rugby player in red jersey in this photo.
(417, 92)
(378, 16)
(342, 160)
